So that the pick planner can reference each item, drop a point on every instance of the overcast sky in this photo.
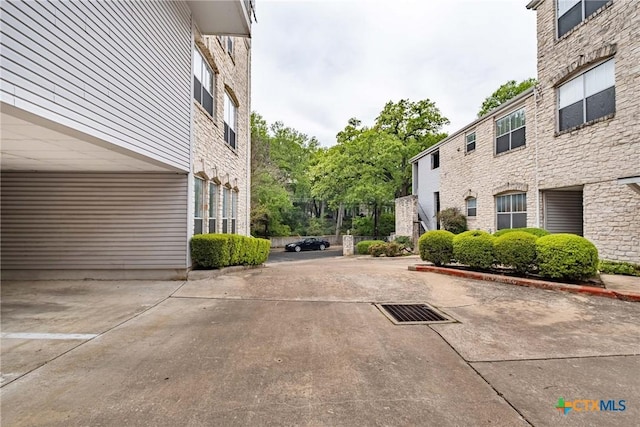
(315, 64)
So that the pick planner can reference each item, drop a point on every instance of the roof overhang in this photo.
(633, 182)
(534, 4)
(226, 17)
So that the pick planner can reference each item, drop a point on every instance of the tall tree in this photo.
(417, 125)
(504, 93)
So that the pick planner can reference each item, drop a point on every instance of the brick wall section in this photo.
(596, 154)
(213, 157)
(482, 174)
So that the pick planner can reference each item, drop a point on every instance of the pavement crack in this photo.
(535, 359)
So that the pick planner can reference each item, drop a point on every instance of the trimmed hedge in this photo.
(391, 249)
(517, 250)
(619, 267)
(566, 256)
(223, 250)
(474, 248)
(362, 248)
(538, 232)
(436, 246)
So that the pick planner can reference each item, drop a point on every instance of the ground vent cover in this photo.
(414, 314)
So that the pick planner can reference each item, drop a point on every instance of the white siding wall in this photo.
(119, 71)
(93, 221)
(428, 183)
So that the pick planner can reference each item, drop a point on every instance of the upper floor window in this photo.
(510, 131)
(587, 97)
(230, 45)
(202, 82)
(229, 121)
(573, 12)
(471, 142)
(471, 206)
(435, 160)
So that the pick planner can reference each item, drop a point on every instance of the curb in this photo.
(213, 273)
(530, 283)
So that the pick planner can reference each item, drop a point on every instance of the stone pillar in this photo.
(347, 245)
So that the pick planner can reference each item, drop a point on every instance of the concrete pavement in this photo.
(301, 344)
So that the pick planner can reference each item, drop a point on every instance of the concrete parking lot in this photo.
(300, 343)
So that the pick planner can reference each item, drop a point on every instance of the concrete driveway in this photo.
(301, 344)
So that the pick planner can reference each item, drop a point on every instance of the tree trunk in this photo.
(375, 220)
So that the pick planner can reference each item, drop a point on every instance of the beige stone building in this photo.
(221, 118)
(564, 156)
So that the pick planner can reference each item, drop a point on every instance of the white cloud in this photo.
(318, 63)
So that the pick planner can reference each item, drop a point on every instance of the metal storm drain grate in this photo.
(413, 314)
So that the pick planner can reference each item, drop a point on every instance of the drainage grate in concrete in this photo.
(413, 314)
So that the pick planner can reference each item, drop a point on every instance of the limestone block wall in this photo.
(483, 174)
(594, 154)
(214, 159)
(407, 216)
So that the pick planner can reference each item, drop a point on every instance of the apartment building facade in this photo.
(105, 127)
(564, 155)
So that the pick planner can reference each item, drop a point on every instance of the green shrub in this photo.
(222, 250)
(362, 248)
(378, 249)
(474, 248)
(538, 232)
(393, 249)
(517, 250)
(405, 242)
(451, 219)
(566, 256)
(436, 246)
(618, 267)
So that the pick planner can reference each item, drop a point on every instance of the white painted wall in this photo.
(428, 183)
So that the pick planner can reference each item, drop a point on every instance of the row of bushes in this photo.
(378, 248)
(223, 250)
(559, 256)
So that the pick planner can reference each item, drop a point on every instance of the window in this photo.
(213, 206)
(587, 97)
(511, 211)
(573, 12)
(234, 211)
(471, 142)
(471, 206)
(435, 160)
(229, 121)
(198, 208)
(202, 82)
(436, 205)
(510, 132)
(230, 45)
(225, 209)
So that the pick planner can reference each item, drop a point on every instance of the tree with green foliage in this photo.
(504, 93)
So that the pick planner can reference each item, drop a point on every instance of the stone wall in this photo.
(595, 154)
(407, 217)
(214, 159)
(483, 174)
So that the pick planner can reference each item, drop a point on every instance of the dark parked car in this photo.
(310, 244)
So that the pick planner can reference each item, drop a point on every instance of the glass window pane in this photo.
(572, 115)
(599, 78)
(601, 104)
(565, 5)
(570, 92)
(198, 205)
(504, 221)
(519, 220)
(570, 19)
(225, 203)
(234, 204)
(518, 138)
(591, 6)
(502, 144)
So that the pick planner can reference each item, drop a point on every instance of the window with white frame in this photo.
(198, 207)
(470, 142)
(230, 45)
(203, 79)
(471, 206)
(213, 207)
(510, 132)
(511, 211)
(573, 12)
(234, 211)
(225, 209)
(229, 121)
(588, 97)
